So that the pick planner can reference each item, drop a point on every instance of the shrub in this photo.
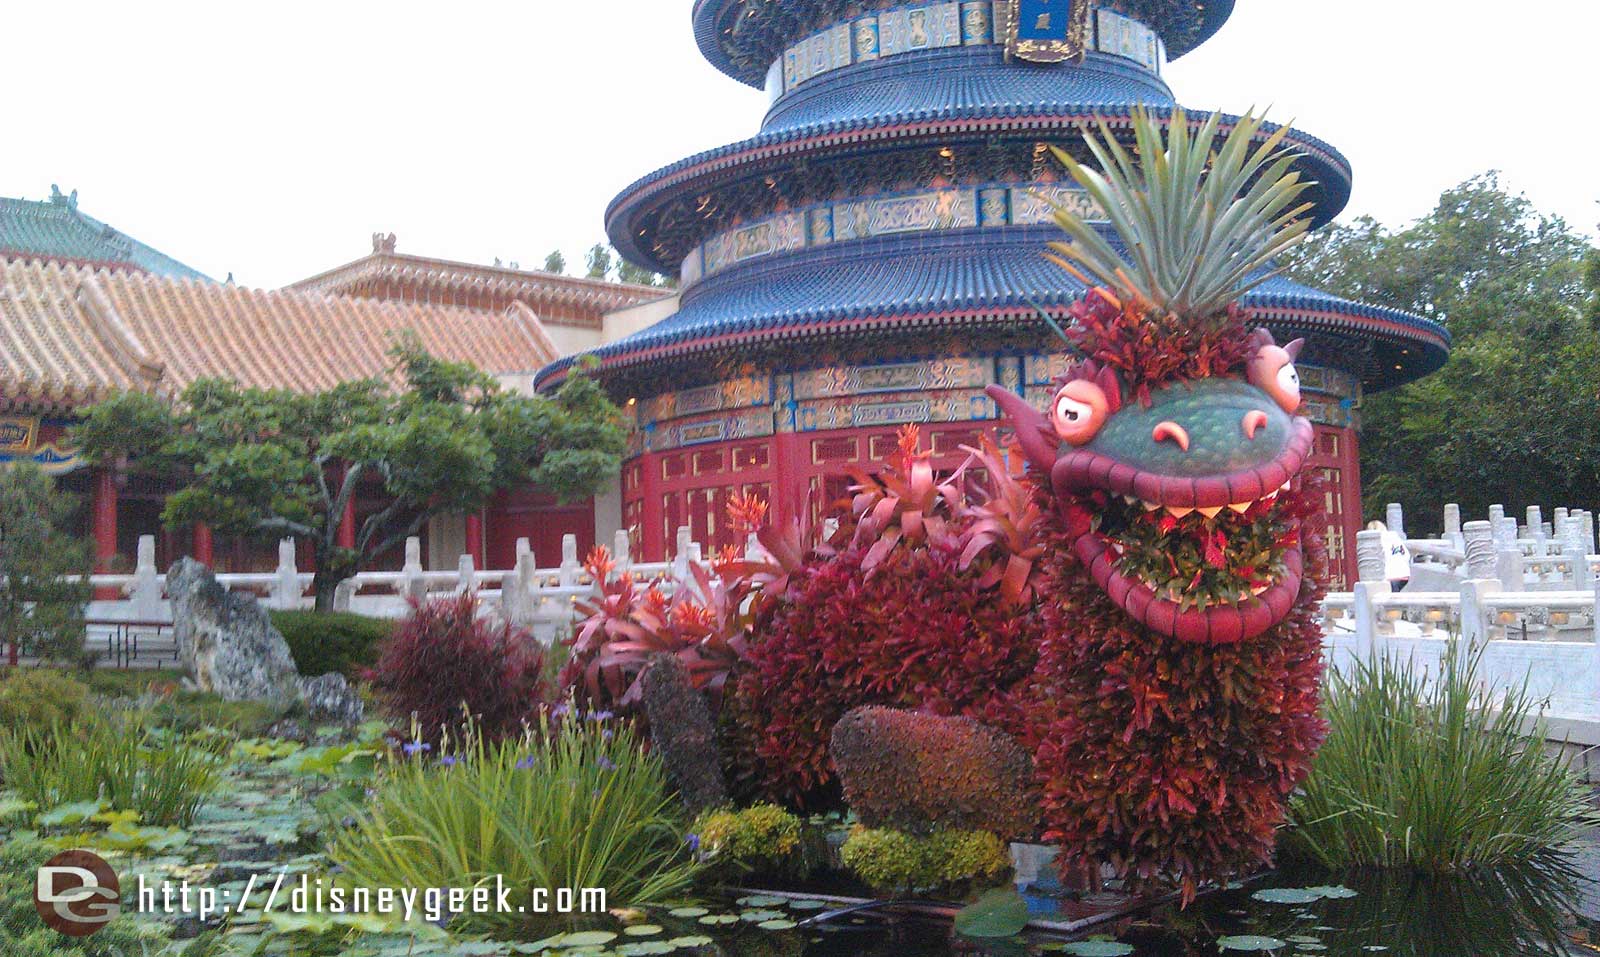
(112, 759)
(683, 733)
(762, 837)
(39, 698)
(40, 612)
(918, 633)
(444, 662)
(23, 934)
(577, 803)
(918, 773)
(896, 861)
(1169, 760)
(324, 642)
(1434, 775)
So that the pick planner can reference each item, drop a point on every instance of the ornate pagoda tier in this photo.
(872, 257)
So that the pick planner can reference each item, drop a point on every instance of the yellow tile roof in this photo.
(71, 336)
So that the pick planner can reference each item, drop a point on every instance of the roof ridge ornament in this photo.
(383, 243)
(69, 201)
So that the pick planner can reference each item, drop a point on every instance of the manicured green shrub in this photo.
(920, 773)
(323, 642)
(893, 860)
(114, 759)
(1434, 775)
(761, 838)
(576, 803)
(40, 697)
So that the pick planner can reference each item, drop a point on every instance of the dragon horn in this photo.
(1034, 434)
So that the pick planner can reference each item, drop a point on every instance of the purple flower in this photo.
(606, 763)
(561, 711)
(693, 840)
(526, 764)
(412, 747)
(601, 716)
(449, 760)
(605, 735)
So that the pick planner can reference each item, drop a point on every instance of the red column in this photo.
(202, 544)
(105, 528)
(790, 477)
(652, 536)
(475, 538)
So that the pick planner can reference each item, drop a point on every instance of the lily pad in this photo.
(718, 919)
(762, 900)
(688, 912)
(588, 938)
(757, 916)
(693, 940)
(1287, 895)
(808, 905)
(999, 913)
(1334, 893)
(641, 930)
(777, 924)
(1251, 942)
(1097, 948)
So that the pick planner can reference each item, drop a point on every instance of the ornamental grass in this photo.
(1433, 774)
(576, 803)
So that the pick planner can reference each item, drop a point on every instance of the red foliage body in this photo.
(1170, 760)
(917, 632)
(444, 656)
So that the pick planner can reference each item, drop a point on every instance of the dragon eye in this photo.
(1079, 411)
(1273, 372)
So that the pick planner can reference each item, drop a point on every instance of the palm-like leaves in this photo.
(1196, 224)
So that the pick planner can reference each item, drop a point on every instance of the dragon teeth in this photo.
(1178, 511)
(1210, 512)
(1240, 507)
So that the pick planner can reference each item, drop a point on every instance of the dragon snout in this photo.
(1254, 421)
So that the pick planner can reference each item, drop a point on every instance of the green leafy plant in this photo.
(577, 803)
(114, 760)
(1199, 221)
(332, 641)
(896, 861)
(41, 612)
(1435, 774)
(23, 934)
(762, 837)
(39, 698)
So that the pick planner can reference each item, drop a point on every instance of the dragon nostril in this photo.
(1254, 421)
(1172, 431)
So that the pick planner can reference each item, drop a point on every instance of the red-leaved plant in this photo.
(444, 662)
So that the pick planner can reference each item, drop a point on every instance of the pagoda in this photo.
(873, 256)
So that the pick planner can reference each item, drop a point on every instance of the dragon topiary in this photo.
(1138, 609)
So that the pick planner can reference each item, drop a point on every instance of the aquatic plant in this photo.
(762, 838)
(575, 803)
(896, 861)
(1433, 773)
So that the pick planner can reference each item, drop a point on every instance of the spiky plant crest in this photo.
(1199, 227)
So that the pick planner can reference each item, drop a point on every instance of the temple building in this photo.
(873, 256)
(86, 312)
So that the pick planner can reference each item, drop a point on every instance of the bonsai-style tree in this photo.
(40, 613)
(271, 463)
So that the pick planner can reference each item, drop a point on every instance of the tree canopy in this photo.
(40, 612)
(271, 463)
(1514, 416)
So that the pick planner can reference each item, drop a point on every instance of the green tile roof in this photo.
(56, 229)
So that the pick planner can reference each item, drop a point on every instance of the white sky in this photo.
(272, 139)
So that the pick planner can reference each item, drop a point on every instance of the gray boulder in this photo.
(228, 646)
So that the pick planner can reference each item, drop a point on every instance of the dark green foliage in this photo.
(23, 934)
(1519, 293)
(683, 733)
(274, 463)
(39, 698)
(332, 641)
(39, 612)
(919, 773)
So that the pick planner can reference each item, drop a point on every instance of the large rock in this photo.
(919, 773)
(228, 645)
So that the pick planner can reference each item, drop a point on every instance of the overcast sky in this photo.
(271, 140)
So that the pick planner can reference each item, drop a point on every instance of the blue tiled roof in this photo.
(963, 80)
(55, 229)
(708, 17)
(965, 275)
(1326, 165)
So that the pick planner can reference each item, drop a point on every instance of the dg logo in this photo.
(77, 893)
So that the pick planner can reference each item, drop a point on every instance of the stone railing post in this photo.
(1370, 556)
(412, 585)
(1452, 526)
(145, 592)
(1395, 518)
(1366, 596)
(344, 594)
(1479, 549)
(568, 575)
(681, 559)
(285, 590)
(621, 549)
(1478, 626)
(516, 594)
(466, 574)
(1582, 574)
(1534, 527)
(1508, 568)
(1588, 531)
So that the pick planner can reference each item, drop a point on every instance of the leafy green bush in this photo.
(895, 860)
(186, 712)
(323, 642)
(41, 612)
(114, 759)
(39, 697)
(576, 803)
(23, 934)
(762, 837)
(1436, 775)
